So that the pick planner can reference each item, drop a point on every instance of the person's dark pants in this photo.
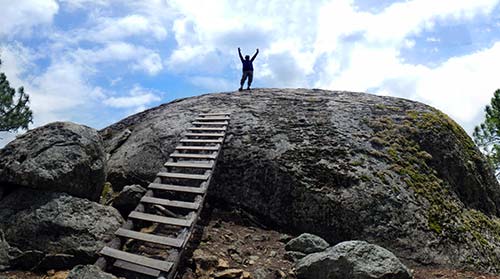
(246, 74)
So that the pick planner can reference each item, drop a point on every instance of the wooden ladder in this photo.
(172, 203)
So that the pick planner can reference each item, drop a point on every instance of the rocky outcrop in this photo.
(89, 272)
(307, 243)
(352, 259)
(60, 157)
(55, 230)
(340, 165)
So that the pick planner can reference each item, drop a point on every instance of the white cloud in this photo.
(433, 40)
(112, 29)
(151, 63)
(141, 58)
(137, 97)
(20, 16)
(81, 4)
(462, 85)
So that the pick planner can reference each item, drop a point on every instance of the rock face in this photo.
(352, 259)
(59, 157)
(307, 243)
(55, 230)
(341, 165)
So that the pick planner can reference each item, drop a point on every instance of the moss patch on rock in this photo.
(447, 216)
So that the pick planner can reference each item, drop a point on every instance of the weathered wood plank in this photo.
(199, 148)
(215, 135)
(204, 119)
(137, 268)
(201, 140)
(207, 129)
(194, 156)
(163, 240)
(176, 188)
(176, 175)
(171, 203)
(160, 219)
(137, 259)
(223, 123)
(214, 113)
(189, 165)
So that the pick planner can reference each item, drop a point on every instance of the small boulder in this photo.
(293, 256)
(56, 230)
(307, 243)
(354, 260)
(89, 272)
(59, 157)
(128, 198)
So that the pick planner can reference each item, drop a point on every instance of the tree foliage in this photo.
(14, 110)
(487, 134)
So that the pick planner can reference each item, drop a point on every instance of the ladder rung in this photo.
(206, 129)
(160, 219)
(211, 123)
(194, 156)
(200, 148)
(176, 175)
(199, 119)
(137, 268)
(136, 259)
(189, 165)
(214, 113)
(165, 202)
(176, 188)
(163, 240)
(217, 135)
(201, 141)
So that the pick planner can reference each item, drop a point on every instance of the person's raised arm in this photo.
(255, 55)
(239, 52)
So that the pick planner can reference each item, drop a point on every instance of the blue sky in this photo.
(95, 62)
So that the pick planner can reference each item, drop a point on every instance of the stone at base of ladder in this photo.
(352, 259)
(89, 272)
(307, 243)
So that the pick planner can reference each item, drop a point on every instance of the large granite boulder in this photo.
(353, 260)
(55, 230)
(340, 165)
(60, 157)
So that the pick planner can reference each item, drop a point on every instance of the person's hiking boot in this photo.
(241, 89)
(248, 88)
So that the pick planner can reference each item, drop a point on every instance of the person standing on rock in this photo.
(247, 69)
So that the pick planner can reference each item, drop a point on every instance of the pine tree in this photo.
(487, 134)
(14, 110)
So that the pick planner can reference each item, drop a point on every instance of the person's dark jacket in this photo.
(247, 64)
